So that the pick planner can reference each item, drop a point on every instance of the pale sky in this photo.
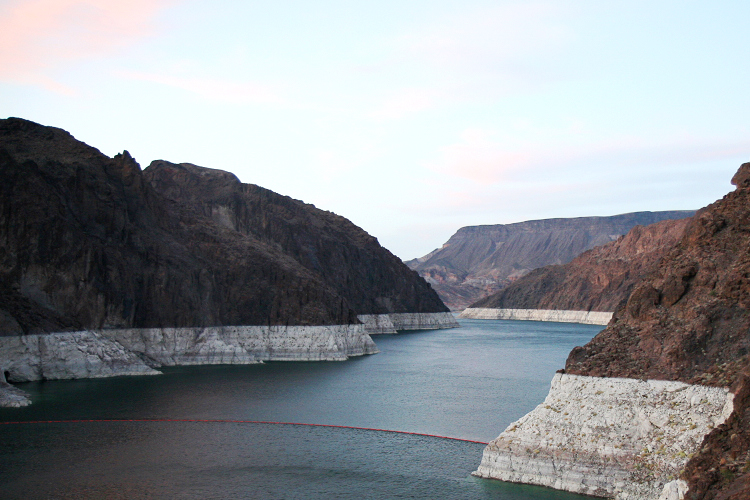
(410, 118)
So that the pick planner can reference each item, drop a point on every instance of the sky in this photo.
(411, 118)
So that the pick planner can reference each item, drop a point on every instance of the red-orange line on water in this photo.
(225, 421)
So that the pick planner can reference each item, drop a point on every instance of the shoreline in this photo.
(549, 315)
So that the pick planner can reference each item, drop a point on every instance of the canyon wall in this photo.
(598, 279)
(607, 437)
(686, 322)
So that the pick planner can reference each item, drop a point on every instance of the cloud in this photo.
(215, 89)
(38, 37)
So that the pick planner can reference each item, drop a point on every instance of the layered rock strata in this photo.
(608, 437)
(559, 316)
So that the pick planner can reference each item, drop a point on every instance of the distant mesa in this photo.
(598, 280)
(479, 261)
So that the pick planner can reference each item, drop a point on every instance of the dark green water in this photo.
(469, 382)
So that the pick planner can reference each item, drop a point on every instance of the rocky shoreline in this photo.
(141, 351)
(610, 437)
(557, 316)
(389, 324)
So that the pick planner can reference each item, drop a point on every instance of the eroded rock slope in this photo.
(478, 261)
(598, 279)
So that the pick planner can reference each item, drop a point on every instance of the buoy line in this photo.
(228, 421)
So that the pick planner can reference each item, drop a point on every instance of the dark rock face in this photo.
(87, 242)
(598, 279)
(345, 257)
(478, 261)
(690, 321)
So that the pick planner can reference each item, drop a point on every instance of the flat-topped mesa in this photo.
(687, 322)
(589, 288)
(478, 261)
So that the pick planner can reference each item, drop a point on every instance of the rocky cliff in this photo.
(690, 321)
(686, 322)
(92, 243)
(340, 254)
(478, 261)
(598, 279)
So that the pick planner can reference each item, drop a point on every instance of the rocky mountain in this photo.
(478, 261)
(598, 279)
(90, 242)
(689, 321)
(342, 255)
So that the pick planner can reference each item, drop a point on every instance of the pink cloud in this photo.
(215, 89)
(40, 36)
(483, 157)
(479, 157)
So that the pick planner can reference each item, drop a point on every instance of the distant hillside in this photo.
(598, 279)
(478, 261)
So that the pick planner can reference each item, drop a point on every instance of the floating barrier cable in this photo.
(227, 421)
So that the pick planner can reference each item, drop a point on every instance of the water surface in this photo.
(469, 382)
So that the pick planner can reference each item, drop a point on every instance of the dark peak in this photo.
(15, 125)
(742, 178)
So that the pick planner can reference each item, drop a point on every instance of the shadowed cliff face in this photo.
(598, 279)
(478, 261)
(345, 257)
(690, 320)
(86, 242)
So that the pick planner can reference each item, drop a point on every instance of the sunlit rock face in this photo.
(608, 437)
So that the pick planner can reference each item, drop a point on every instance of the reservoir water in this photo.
(469, 382)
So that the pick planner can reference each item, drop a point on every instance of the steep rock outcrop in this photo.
(478, 261)
(690, 321)
(91, 247)
(598, 279)
(687, 321)
(87, 243)
(342, 255)
(607, 436)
